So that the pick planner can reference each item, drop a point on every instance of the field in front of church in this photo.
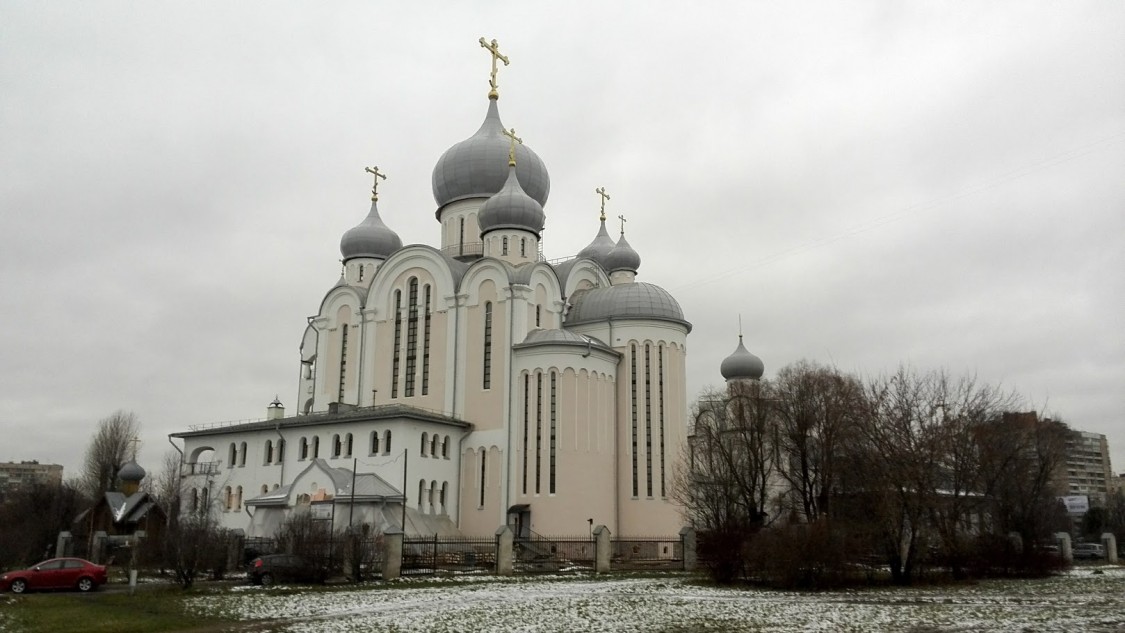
(1080, 600)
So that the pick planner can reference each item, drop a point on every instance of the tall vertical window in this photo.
(461, 239)
(523, 247)
(374, 442)
(554, 434)
(280, 450)
(526, 425)
(504, 246)
(348, 445)
(242, 454)
(660, 379)
(397, 345)
(482, 475)
(316, 446)
(343, 361)
(538, 313)
(633, 413)
(487, 345)
(538, 430)
(411, 335)
(426, 346)
(648, 420)
(269, 452)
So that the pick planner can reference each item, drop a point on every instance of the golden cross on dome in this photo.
(494, 48)
(136, 440)
(512, 149)
(376, 175)
(605, 196)
(622, 218)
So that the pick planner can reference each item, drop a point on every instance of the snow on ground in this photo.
(1077, 601)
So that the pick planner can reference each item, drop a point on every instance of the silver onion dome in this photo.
(622, 257)
(370, 238)
(477, 166)
(511, 208)
(131, 471)
(599, 248)
(742, 364)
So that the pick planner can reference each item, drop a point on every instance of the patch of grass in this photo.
(151, 610)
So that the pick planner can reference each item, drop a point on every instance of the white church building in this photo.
(473, 381)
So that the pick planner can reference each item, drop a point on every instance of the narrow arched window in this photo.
(280, 450)
(421, 492)
(411, 336)
(303, 452)
(228, 499)
(426, 345)
(434, 445)
(232, 456)
(238, 498)
(343, 362)
(242, 454)
(445, 447)
(336, 445)
(194, 499)
(348, 445)
(269, 452)
(425, 443)
(487, 384)
(316, 446)
(265, 489)
(504, 246)
(483, 473)
(374, 442)
(523, 247)
(396, 356)
(387, 442)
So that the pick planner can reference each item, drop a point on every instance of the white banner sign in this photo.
(1076, 504)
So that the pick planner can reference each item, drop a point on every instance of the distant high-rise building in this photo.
(1088, 471)
(16, 475)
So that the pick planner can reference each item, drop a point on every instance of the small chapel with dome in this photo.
(457, 387)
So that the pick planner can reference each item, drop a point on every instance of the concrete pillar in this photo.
(687, 541)
(98, 547)
(603, 549)
(1109, 542)
(1064, 546)
(392, 554)
(1017, 541)
(64, 545)
(505, 554)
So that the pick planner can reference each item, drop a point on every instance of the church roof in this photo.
(542, 337)
(742, 364)
(511, 208)
(368, 487)
(599, 247)
(636, 300)
(477, 167)
(349, 414)
(370, 238)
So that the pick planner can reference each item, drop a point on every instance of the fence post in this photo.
(1064, 546)
(97, 552)
(504, 542)
(602, 549)
(64, 545)
(687, 542)
(1109, 542)
(392, 554)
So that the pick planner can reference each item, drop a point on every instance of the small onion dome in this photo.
(131, 472)
(622, 257)
(511, 208)
(742, 364)
(474, 168)
(370, 238)
(600, 247)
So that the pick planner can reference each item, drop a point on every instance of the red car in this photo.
(56, 573)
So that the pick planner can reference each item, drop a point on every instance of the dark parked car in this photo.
(271, 568)
(56, 573)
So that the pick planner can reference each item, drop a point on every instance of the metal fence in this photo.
(540, 553)
(632, 553)
(447, 555)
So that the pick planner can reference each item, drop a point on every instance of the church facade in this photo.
(470, 384)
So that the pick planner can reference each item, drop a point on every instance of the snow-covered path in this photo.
(1078, 601)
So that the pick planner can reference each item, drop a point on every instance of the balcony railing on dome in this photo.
(465, 249)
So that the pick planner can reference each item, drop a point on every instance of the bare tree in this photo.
(725, 483)
(108, 451)
(817, 408)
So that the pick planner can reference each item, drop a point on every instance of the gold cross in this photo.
(622, 218)
(512, 149)
(493, 48)
(605, 196)
(376, 175)
(136, 440)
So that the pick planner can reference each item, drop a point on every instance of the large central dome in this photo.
(478, 166)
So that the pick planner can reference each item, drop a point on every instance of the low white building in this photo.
(476, 381)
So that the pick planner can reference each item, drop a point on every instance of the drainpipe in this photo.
(507, 405)
(616, 443)
(456, 346)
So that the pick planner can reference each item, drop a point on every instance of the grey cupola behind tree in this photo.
(741, 364)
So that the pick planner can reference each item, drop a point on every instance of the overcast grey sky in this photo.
(866, 183)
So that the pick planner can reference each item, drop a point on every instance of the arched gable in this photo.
(338, 296)
(485, 272)
(423, 262)
(583, 274)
